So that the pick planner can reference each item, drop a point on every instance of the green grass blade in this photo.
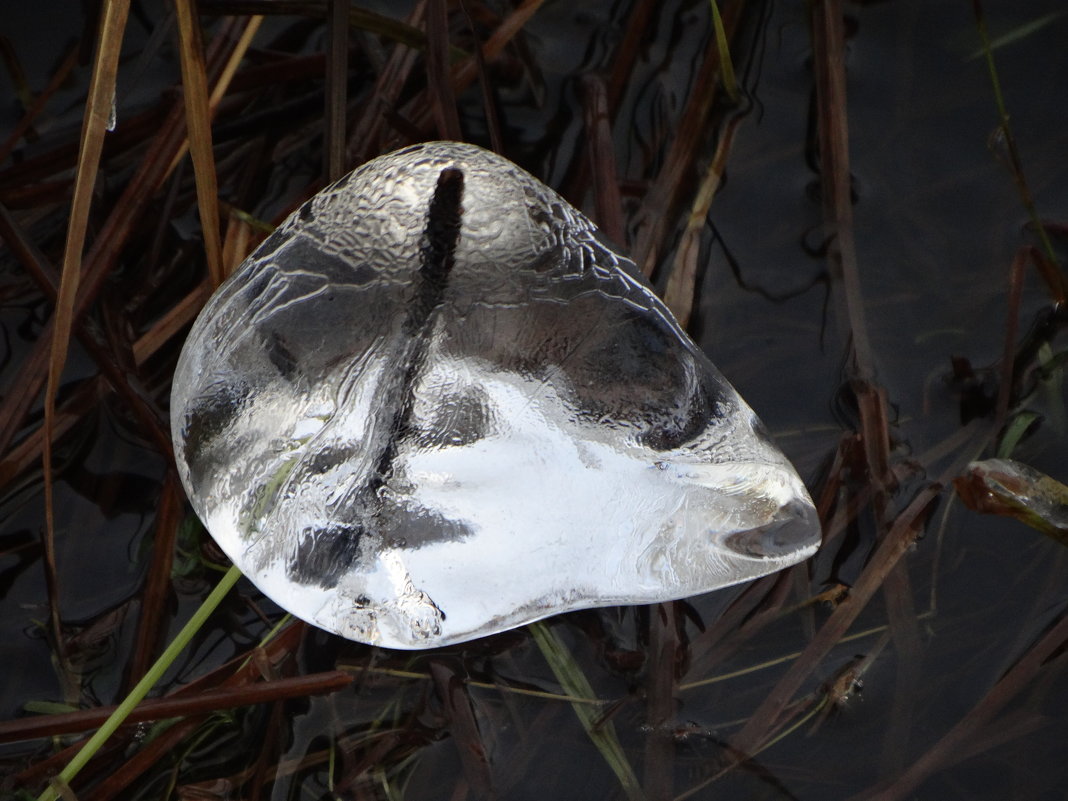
(574, 682)
(1015, 162)
(154, 674)
(1017, 34)
(726, 68)
(1014, 432)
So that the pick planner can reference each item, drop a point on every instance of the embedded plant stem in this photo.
(140, 690)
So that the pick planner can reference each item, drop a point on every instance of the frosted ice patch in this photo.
(433, 406)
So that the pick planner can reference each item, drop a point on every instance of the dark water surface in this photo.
(938, 221)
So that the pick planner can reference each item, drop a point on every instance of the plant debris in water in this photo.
(922, 652)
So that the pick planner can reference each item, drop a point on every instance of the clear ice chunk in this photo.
(433, 406)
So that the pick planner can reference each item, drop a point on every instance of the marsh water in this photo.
(938, 220)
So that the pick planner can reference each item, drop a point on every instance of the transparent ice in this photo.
(433, 405)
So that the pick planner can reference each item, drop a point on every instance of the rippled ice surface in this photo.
(433, 406)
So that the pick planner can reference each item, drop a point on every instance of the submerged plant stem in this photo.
(140, 690)
(1015, 163)
(574, 682)
(726, 68)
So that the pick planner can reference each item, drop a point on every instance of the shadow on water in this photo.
(919, 654)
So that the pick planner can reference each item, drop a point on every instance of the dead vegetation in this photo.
(119, 237)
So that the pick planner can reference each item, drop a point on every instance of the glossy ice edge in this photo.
(540, 505)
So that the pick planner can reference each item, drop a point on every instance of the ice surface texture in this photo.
(433, 405)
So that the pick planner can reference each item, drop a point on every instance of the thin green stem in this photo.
(154, 674)
(574, 682)
(1015, 162)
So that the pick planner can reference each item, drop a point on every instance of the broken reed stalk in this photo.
(600, 155)
(439, 79)
(185, 705)
(366, 138)
(98, 113)
(489, 104)
(224, 74)
(680, 294)
(336, 89)
(654, 219)
(577, 176)
(198, 124)
(420, 110)
(828, 44)
(659, 767)
(463, 725)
